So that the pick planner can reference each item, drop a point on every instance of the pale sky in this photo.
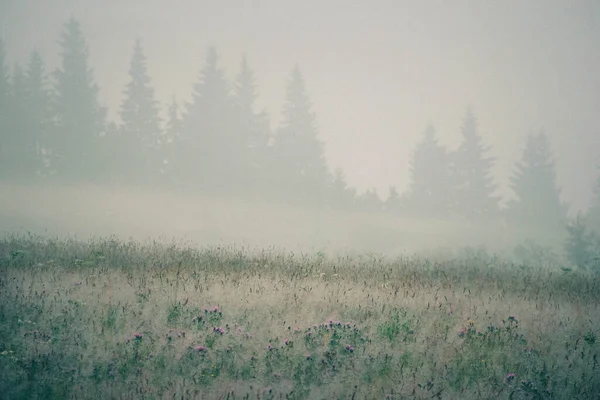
(377, 72)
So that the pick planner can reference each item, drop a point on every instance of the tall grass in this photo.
(110, 319)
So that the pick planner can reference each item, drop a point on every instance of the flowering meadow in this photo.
(128, 320)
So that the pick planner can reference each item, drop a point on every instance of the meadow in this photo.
(106, 318)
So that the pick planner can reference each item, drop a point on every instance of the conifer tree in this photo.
(303, 173)
(21, 142)
(5, 101)
(206, 139)
(252, 137)
(341, 196)
(80, 117)
(537, 202)
(169, 140)
(39, 111)
(593, 212)
(430, 192)
(140, 130)
(471, 174)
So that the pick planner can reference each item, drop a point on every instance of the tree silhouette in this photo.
(169, 140)
(340, 195)
(140, 130)
(80, 118)
(206, 140)
(5, 101)
(538, 201)
(430, 193)
(21, 157)
(302, 170)
(472, 176)
(593, 212)
(252, 134)
(39, 111)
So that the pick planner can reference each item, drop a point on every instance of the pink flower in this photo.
(137, 336)
(509, 378)
(200, 348)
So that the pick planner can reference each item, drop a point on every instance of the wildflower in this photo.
(269, 347)
(471, 323)
(513, 318)
(286, 342)
(308, 357)
(350, 348)
(509, 378)
(137, 336)
(462, 332)
(200, 349)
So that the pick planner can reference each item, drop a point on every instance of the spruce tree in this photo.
(303, 174)
(252, 137)
(471, 174)
(593, 212)
(80, 117)
(169, 140)
(430, 192)
(340, 195)
(5, 101)
(140, 129)
(39, 110)
(21, 157)
(537, 202)
(206, 139)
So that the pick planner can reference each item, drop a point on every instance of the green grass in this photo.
(107, 319)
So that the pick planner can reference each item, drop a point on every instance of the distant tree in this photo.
(169, 139)
(140, 129)
(39, 111)
(394, 203)
(471, 174)
(302, 171)
(5, 101)
(537, 202)
(80, 117)
(252, 134)
(340, 195)
(582, 244)
(21, 142)
(593, 212)
(369, 201)
(203, 158)
(430, 193)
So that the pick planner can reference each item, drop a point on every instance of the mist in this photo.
(289, 124)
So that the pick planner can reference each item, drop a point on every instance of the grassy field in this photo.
(111, 319)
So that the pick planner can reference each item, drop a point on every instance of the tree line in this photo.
(54, 128)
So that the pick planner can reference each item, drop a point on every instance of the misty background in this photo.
(509, 90)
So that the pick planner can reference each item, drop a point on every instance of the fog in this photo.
(376, 75)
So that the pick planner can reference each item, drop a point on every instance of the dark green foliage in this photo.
(471, 174)
(302, 171)
(80, 117)
(206, 145)
(139, 131)
(5, 101)
(538, 201)
(430, 193)
(581, 246)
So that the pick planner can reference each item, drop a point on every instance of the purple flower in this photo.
(509, 378)
(200, 349)
(462, 332)
(286, 341)
(137, 336)
(350, 348)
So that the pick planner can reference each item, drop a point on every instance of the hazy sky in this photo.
(378, 72)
